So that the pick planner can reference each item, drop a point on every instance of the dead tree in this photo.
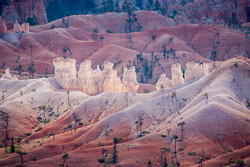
(139, 123)
(68, 92)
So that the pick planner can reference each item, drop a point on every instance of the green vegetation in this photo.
(32, 69)
(145, 132)
(101, 160)
(192, 153)
(65, 156)
(60, 8)
(164, 136)
(109, 31)
(21, 154)
(32, 20)
(115, 153)
(28, 133)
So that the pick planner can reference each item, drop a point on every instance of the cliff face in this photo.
(32, 11)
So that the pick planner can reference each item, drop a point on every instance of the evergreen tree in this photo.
(114, 154)
(157, 5)
(32, 69)
(107, 6)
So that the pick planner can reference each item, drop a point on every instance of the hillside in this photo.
(124, 83)
(190, 42)
(217, 99)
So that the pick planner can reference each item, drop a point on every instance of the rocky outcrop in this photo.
(111, 82)
(163, 83)
(17, 27)
(22, 10)
(7, 75)
(196, 70)
(193, 71)
(25, 27)
(176, 74)
(92, 81)
(129, 80)
(3, 27)
(65, 68)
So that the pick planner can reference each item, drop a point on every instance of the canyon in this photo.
(80, 85)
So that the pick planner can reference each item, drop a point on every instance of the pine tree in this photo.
(114, 154)
(157, 5)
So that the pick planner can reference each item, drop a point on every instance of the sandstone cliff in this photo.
(176, 74)
(92, 81)
(193, 71)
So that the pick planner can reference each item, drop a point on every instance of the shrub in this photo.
(80, 123)
(145, 132)
(38, 129)
(235, 64)
(52, 26)
(47, 121)
(192, 153)
(69, 126)
(95, 30)
(181, 149)
(101, 160)
(240, 162)
(109, 31)
(19, 139)
(39, 119)
(32, 21)
(163, 136)
(28, 133)
(27, 141)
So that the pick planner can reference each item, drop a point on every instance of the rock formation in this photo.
(25, 27)
(129, 80)
(195, 70)
(22, 10)
(3, 27)
(111, 82)
(163, 83)
(177, 75)
(92, 81)
(17, 27)
(7, 75)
